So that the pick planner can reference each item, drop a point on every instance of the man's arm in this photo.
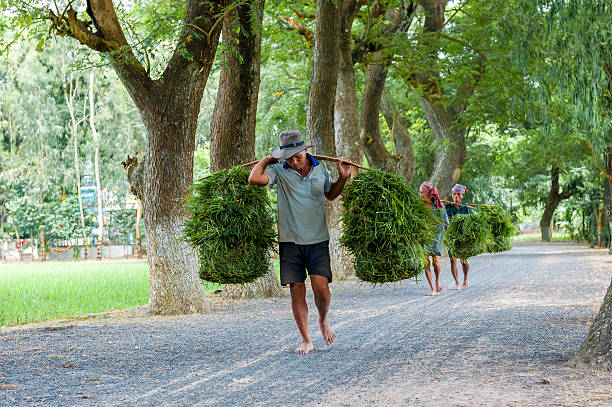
(257, 176)
(344, 170)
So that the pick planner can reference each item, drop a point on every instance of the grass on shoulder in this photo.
(32, 292)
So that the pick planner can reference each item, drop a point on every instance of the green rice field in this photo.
(31, 292)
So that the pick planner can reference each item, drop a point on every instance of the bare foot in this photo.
(304, 348)
(465, 284)
(458, 287)
(329, 336)
(432, 293)
(439, 288)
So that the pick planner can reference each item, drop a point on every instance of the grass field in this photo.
(31, 292)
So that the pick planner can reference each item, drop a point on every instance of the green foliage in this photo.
(231, 226)
(385, 227)
(63, 221)
(467, 236)
(501, 225)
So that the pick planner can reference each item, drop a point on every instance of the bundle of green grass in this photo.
(467, 236)
(385, 227)
(501, 225)
(231, 226)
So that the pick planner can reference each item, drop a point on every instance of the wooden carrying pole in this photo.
(473, 206)
(318, 157)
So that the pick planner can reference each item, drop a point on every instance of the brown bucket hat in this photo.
(290, 143)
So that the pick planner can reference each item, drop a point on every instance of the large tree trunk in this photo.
(376, 76)
(596, 350)
(169, 109)
(94, 131)
(443, 118)
(233, 126)
(406, 161)
(552, 201)
(160, 181)
(450, 145)
(346, 130)
(320, 113)
(346, 105)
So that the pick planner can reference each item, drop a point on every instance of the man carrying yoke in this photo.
(302, 184)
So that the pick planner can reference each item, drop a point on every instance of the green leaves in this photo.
(489, 231)
(231, 226)
(467, 236)
(385, 227)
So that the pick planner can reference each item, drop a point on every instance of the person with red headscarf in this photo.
(430, 196)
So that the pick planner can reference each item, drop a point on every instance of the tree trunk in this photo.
(375, 150)
(69, 93)
(233, 126)
(43, 247)
(346, 105)
(599, 213)
(169, 108)
(96, 138)
(320, 114)
(346, 133)
(160, 181)
(553, 200)
(596, 350)
(406, 161)
(450, 145)
(376, 76)
(608, 211)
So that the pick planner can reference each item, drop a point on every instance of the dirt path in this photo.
(502, 342)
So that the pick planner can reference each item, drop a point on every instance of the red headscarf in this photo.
(432, 192)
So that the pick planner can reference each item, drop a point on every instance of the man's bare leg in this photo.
(320, 288)
(300, 313)
(436, 267)
(466, 267)
(455, 273)
(429, 280)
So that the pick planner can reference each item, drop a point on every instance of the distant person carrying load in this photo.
(430, 195)
(458, 193)
(303, 183)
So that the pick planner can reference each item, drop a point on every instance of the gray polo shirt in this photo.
(300, 202)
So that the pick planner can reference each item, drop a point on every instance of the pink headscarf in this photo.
(433, 193)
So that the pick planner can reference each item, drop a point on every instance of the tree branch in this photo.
(602, 169)
(300, 28)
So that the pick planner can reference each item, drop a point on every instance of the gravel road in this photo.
(501, 342)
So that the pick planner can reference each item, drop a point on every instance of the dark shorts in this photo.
(295, 259)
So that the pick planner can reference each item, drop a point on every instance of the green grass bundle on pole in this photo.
(385, 227)
(502, 227)
(467, 236)
(231, 226)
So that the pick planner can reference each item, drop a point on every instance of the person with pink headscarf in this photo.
(458, 192)
(430, 196)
